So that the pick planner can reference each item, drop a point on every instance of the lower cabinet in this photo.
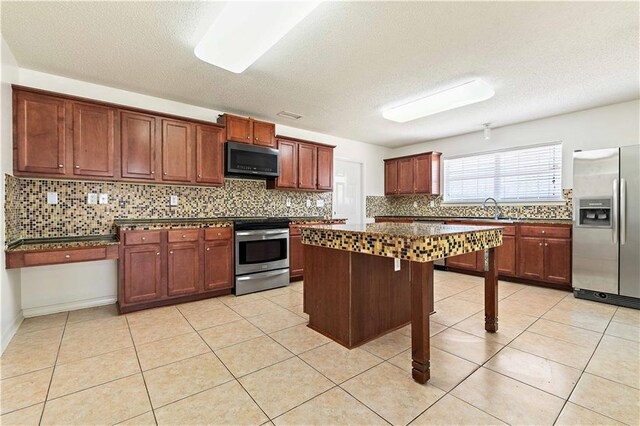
(507, 256)
(557, 260)
(142, 274)
(163, 267)
(218, 265)
(296, 259)
(468, 261)
(531, 258)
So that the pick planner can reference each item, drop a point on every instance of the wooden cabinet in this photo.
(468, 261)
(544, 254)
(40, 134)
(138, 145)
(209, 154)
(183, 269)
(325, 168)
(557, 260)
(177, 144)
(218, 265)
(248, 130)
(142, 270)
(531, 258)
(507, 256)
(307, 166)
(296, 259)
(170, 266)
(94, 143)
(416, 174)
(390, 177)
(304, 165)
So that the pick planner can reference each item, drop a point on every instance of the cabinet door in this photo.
(507, 256)
(40, 137)
(296, 261)
(209, 154)
(142, 274)
(138, 145)
(422, 174)
(325, 168)
(288, 158)
(557, 260)
(218, 265)
(264, 134)
(177, 151)
(238, 129)
(307, 166)
(183, 265)
(405, 176)
(531, 258)
(93, 140)
(468, 261)
(391, 177)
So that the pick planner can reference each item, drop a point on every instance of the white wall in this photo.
(51, 289)
(604, 127)
(10, 291)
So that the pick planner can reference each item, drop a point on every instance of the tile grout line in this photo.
(144, 381)
(46, 398)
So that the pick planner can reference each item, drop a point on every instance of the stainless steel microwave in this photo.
(252, 161)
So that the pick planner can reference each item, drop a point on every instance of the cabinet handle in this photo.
(546, 245)
(157, 253)
(76, 166)
(144, 238)
(171, 252)
(153, 173)
(199, 176)
(208, 248)
(67, 256)
(219, 234)
(60, 166)
(540, 244)
(184, 236)
(165, 173)
(248, 137)
(543, 231)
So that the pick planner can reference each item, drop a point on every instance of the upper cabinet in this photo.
(67, 137)
(304, 165)
(248, 130)
(416, 174)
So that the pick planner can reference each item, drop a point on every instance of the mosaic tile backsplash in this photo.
(29, 216)
(404, 206)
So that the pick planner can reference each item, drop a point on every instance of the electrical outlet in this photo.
(308, 202)
(319, 203)
(432, 203)
(92, 198)
(173, 200)
(288, 202)
(52, 198)
(396, 265)
(104, 199)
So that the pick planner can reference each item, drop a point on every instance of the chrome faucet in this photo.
(484, 206)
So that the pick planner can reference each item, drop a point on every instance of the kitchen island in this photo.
(365, 280)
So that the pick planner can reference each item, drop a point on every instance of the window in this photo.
(521, 174)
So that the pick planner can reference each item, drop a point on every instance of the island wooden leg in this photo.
(491, 292)
(421, 306)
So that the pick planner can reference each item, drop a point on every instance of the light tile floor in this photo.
(252, 360)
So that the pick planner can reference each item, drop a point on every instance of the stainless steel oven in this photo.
(261, 254)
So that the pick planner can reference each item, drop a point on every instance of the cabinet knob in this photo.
(543, 231)
(171, 252)
(219, 234)
(208, 248)
(184, 236)
(60, 166)
(157, 253)
(165, 173)
(67, 256)
(546, 245)
(153, 173)
(77, 166)
(199, 176)
(144, 238)
(540, 244)
(248, 137)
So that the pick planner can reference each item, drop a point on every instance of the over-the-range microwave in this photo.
(242, 159)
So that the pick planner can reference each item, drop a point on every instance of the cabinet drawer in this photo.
(545, 231)
(178, 235)
(64, 256)
(294, 230)
(141, 237)
(211, 234)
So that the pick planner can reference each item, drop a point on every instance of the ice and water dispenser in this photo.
(595, 212)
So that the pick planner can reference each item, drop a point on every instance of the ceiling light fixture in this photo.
(244, 31)
(487, 131)
(465, 94)
(288, 114)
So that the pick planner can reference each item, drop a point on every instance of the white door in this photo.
(347, 191)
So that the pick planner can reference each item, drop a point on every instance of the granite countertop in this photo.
(180, 223)
(485, 219)
(55, 243)
(418, 242)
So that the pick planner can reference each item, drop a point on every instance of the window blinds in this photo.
(521, 174)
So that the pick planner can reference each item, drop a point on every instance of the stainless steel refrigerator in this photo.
(606, 225)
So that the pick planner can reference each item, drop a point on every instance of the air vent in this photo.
(291, 115)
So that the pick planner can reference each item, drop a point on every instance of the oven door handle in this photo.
(262, 232)
(263, 275)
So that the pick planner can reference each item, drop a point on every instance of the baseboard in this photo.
(8, 335)
(70, 306)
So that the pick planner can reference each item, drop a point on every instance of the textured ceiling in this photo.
(347, 61)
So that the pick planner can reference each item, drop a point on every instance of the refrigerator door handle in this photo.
(614, 216)
(623, 211)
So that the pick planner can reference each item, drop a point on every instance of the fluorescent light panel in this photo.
(244, 31)
(456, 97)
